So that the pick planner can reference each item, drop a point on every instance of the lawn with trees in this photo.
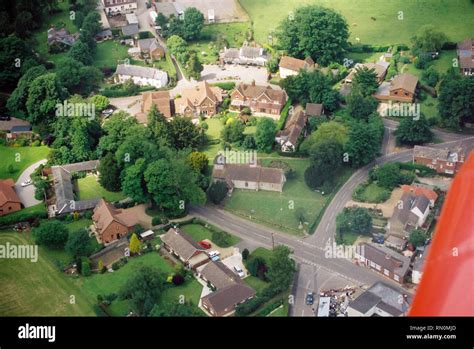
(16, 159)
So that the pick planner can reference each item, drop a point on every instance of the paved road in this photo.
(327, 227)
(27, 194)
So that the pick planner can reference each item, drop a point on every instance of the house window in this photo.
(396, 278)
(378, 267)
(246, 184)
(386, 272)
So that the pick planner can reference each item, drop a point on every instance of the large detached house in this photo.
(110, 223)
(247, 55)
(248, 176)
(141, 75)
(162, 101)
(202, 99)
(466, 56)
(402, 88)
(444, 161)
(151, 48)
(9, 200)
(262, 100)
(113, 7)
(230, 290)
(294, 129)
(384, 260)
(412, 210)
(181, 245)
(291, 66)
(61, 37)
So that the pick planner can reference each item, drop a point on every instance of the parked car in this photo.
(378, 238)
(107, 112)
(27, 183)
(5, 118)
(239, 271)
(309, 298)
(205, 244)
(214, 253)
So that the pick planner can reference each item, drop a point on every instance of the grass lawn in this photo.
(214, 134)
(364, 57)
(108, 53)
(277, 210)
(198, 233)
(450, 17)
(37, 289)
(112, 282)
(89, 188)
(280, 312)
(208, 51)
(20, 158)
(349, 238)
(256, 283)
(374, 193)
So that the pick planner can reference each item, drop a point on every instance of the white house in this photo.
(113, 7)
(290, 66)
(141, 75)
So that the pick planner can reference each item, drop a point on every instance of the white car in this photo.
(214, 254)
(27, 183)
(239, 271)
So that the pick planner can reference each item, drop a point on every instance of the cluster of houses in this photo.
(228, 289)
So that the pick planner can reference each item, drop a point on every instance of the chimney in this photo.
(253, 83)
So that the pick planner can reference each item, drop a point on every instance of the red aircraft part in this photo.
(447, 284)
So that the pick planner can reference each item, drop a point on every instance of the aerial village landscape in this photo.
(211, 158)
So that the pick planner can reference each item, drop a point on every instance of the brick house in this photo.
(290, 66)
(202, 99)
(466, 56)
(262, 100)
(402, 88)
(162, 101)
(384, 260)
(230, 289)
(294, 129)
(9, 200)
(151, 48)
(110, 223)
(444, 161)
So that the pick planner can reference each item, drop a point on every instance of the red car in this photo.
(205, 244)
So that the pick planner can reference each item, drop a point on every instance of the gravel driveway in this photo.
(27, 194)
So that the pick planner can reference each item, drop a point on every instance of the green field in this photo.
(198, 233)
(213, 133)
(109, 53)
(37, 289)
(89, 188)
(449, 16)
(276, 209)
(20, 158)
(256, 283)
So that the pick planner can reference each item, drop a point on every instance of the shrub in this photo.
(85, 267)
(217, 192)
(245, 254)
(222, 238)
(178, 279)
(116, 266)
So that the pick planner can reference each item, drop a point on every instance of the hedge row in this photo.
(284, 115)
(25, 215)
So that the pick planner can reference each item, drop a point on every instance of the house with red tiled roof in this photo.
(291, 66)
(9, 200)
(402, 88)
(201, 99)
(162, 101)
(110, 223)
(261, 100)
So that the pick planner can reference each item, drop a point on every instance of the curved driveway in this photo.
(27, 194)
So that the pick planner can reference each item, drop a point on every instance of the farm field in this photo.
(26, 156)
(373, 21)
(89, 188)
(37, 289)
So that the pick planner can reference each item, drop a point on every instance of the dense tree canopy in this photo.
(265, 134)
(456, 101)
(281, 268)
(189, 27)
(331, 130)
(428, 40)
(314, 87)
(365, 81)
(356, 220)
(364, 141)
(314, 31)
(413, 131)
(51, 233)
